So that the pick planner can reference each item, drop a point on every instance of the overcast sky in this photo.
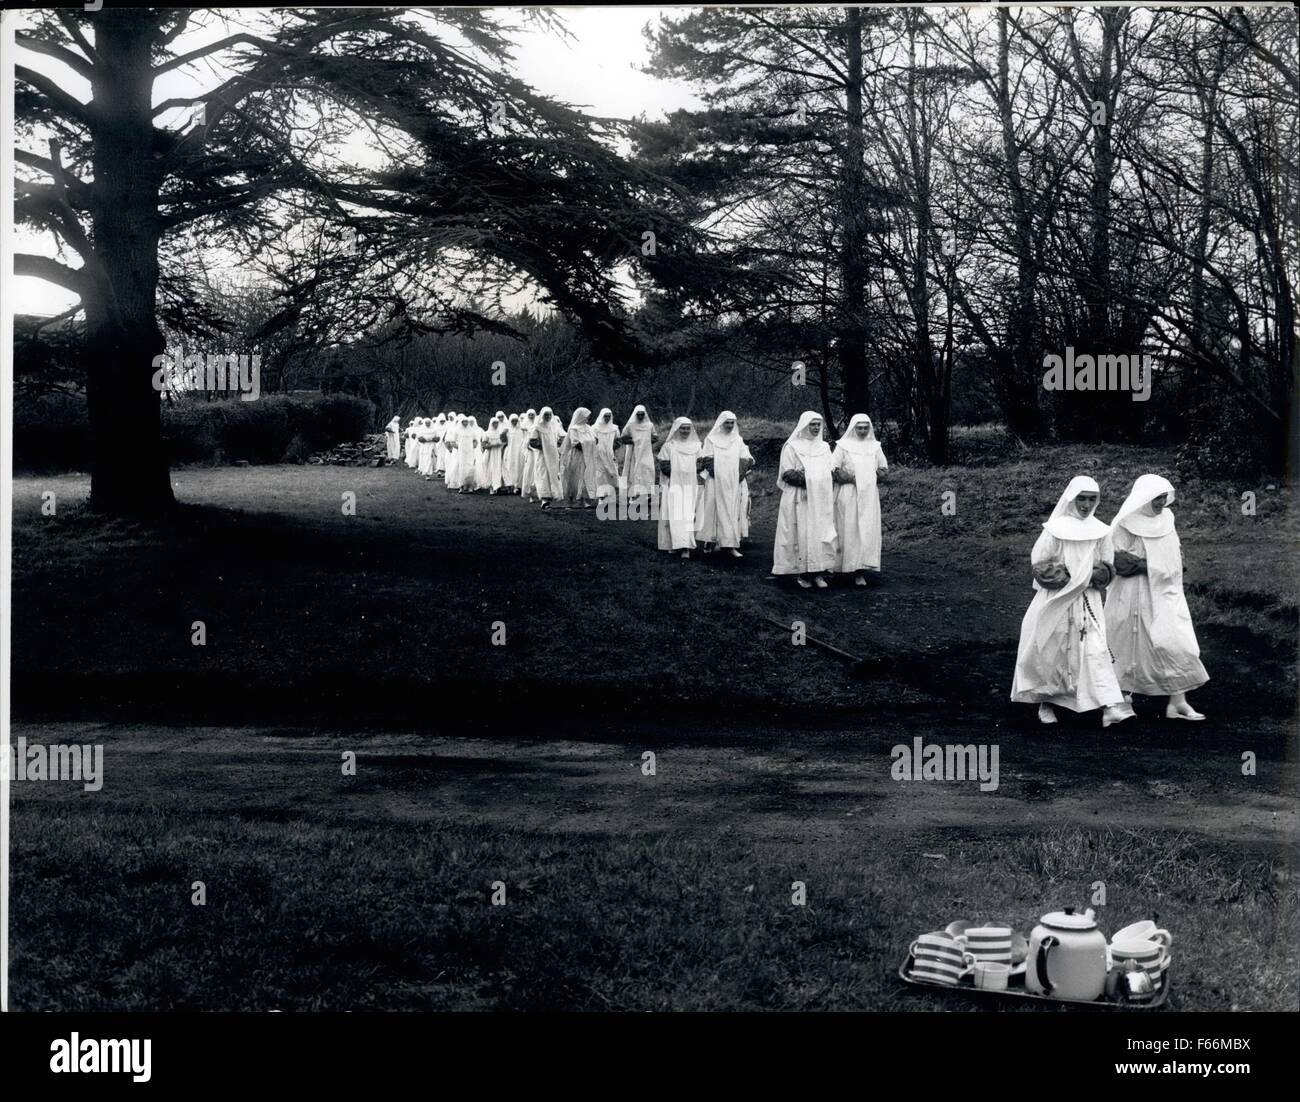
(594, 69)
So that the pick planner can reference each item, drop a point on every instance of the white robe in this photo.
(468, 444)
(451, 442)
(679, 496)
(393, 438)
(724, 499)
(528, 464)
(604, 464)
(424, 461)
(857, 506)
(1148, 622)
(493, 452)
(412, 447)
(1062, 658)
(440, 448)
(639, 460)
(805, 522)
(512, 459)
(578, 463)
(546, 464)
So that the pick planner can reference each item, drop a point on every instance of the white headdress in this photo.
(687, 444)
(1135, 514)
(852, 443)
(1065, 523)
(646, 426)
(722, 439)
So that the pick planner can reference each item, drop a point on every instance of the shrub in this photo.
(330, 419)
(52, 432)
(1225, 442)
(298, 451)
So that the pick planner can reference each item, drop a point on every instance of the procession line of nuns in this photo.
(1079, 654)
(829, 518)
(1077, 650)
(532, 453)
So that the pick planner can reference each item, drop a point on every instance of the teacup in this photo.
(1144, 931)
(1151, 956)
(940, 958)
(990, 943)
(991, 975)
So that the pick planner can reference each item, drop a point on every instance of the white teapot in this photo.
(1067, 957)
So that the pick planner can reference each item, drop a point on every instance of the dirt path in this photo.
(769, 784)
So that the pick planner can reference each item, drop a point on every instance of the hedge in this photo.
(52, 433)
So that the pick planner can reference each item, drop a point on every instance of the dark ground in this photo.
(372, 633)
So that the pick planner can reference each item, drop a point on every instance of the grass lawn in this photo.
(621, 891)
(519, 763)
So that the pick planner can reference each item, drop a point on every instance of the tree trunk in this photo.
(129, 474)
(1099, 292)
(1207, 91)
(932, 399)
(851, 343)
(1016, 377)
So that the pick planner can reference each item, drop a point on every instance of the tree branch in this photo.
(78, 65)
(67, 104)
(50, 270)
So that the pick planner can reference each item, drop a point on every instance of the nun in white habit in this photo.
(471, 447)
(1063, 660)
(578, 461)
(680, 490)
(545, 443)
(393, 438)
(605, 463)
(528, 467)
(450, 425)
(440, 446)
(855, 467)
(805, 522)
(491, 456)
(512, 456)
(412, 456)
(724, 500)
(1147, 619)
(460, 441)
(638, 438)
(424, 463)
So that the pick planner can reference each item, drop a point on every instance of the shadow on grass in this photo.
(367, 621)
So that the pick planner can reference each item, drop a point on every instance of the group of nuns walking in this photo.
(1108, 618)
(829, 520)
(829, 517)
(529, 453)
(1079, 653)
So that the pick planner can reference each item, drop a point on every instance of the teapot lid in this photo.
(1069, 919)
